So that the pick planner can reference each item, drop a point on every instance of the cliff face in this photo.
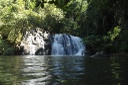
(36, 42)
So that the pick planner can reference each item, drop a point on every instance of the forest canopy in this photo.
(101, 23)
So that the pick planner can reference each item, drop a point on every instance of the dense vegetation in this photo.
(101, 23)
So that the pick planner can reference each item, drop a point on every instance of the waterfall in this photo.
(64, 44)
(38, 42)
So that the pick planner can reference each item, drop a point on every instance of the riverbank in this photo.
(103, 54)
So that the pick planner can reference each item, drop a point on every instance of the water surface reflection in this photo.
(63, 70)
(43, 70)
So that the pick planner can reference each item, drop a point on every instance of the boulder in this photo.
(36, 42)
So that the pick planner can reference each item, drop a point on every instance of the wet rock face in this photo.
(36, 42)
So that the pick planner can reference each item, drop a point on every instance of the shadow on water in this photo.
(107, 71)
(63, 70)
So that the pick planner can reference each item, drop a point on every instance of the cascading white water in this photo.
(64, 44)
(37, 42)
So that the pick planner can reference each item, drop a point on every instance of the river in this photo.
(63, 70)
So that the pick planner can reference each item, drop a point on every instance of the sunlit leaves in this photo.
(51, 2)
(113, 34)
(40, 3)
(58, 3)
(16, 19)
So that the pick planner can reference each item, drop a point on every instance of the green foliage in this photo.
(51, 16)
(58, 3)
(16, 19)
(107, 19)
(5, 47)
(103, 42)
(121, 42)
(99, 22)
(113, 34)
(74, 11)
(96, 42)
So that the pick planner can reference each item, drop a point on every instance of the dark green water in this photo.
(63, 70)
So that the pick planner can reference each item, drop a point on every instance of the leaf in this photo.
(51, 2)
(42, 5)
(38, 3)
(56, 3)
